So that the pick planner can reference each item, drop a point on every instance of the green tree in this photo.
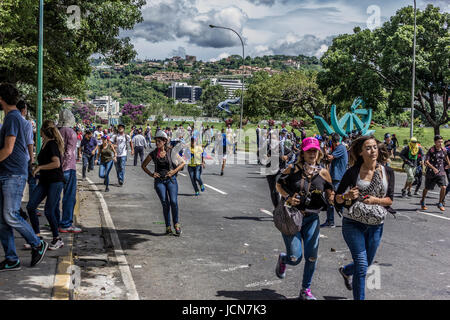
(211, 97)
(370, 63)
(66, 50)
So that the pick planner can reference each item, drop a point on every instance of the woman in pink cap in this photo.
(305, 186)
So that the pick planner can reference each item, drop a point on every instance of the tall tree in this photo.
(372, 63)
(67, 49)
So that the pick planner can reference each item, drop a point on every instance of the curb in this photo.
(62, 285)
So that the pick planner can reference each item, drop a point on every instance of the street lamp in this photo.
(243, 65)
(40, 76)
(413, 74)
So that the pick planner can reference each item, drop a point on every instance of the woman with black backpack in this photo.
(303, 187)
(366, 189)
(165, 176)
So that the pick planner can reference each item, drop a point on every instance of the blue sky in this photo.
(292, 27)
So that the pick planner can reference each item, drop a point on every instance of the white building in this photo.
(230, 85)
(105, 106)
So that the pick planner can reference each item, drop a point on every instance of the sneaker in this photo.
(107, 189)
(26, 246)
(416, 193)
(169, 230)
(347, 279)
(441, 206)
(202, 188)
(71, 229)
(38, 253)
(305, 294)
(177, 229)
(422, 205)
(221, 173)
(197, 193)
(327, 224)
(56, 244)
(280, 269)
(7, 265)
(409, 193)
(120, 183)
(403, 193)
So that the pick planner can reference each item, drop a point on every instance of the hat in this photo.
(413, 139)
(161, 134)
(310, 143)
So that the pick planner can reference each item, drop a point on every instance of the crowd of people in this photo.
(348, 175)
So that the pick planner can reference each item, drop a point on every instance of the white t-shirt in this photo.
(98, 136)
(121, 142)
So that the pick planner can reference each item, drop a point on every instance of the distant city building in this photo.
(230, 85)
(191, 59)
(181, 91)
(105, 106)
(167, 76)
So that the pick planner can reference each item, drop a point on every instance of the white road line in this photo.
(120, 256)
(211, 187)
(236, 268)
(434, 215)
(262, 283)
(266, 212)
(182, 174)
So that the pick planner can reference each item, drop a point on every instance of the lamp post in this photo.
(40, 75)
(413, 75)
(243, 70)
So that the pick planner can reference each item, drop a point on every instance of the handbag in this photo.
(288, 220)
(371, 214)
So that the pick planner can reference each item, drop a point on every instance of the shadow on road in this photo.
(263, 294)
(334, 298)
(250, 218)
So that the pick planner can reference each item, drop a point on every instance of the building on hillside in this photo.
(167, 76)
(105, 106)
(68, 100)
(230, 85)
(191, 59)
(182, 92)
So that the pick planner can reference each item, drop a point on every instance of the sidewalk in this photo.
(51, 279)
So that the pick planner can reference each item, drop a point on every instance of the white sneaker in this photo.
(56, 244)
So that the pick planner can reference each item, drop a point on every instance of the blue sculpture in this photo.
(224, 105)
(349, 123)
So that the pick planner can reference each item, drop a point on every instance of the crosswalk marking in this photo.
(434, 215)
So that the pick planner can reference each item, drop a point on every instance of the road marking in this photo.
(262, 283)
(434, 215)
(266, 212)
(211, 187)
(236, 268)
(182, 174)
(120, 256)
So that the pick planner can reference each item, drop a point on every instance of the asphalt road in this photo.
(229, 246)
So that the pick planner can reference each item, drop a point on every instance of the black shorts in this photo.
(431, 182)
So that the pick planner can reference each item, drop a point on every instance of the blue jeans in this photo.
(11, 193)
(309, 234)
(88, 162)
(167, 191)
(330, 209)
(195, 175)
(69, 199)
(52, 192)
(105, 169)
(363, 241)
(120, 168)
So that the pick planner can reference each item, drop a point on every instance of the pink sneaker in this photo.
(71, 229)
(305, 294)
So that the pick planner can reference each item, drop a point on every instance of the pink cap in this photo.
(310, 143)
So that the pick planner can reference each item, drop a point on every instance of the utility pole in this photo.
(40, 76)
(413, 75)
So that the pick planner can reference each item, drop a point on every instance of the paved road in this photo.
(229, 245)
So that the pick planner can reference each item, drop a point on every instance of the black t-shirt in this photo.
(291, 183)
(162, 165)
(45, 157)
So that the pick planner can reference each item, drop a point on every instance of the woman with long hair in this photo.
(107, 155)
(51, 182)
(366, 190)
(165, 176)
(304, 187)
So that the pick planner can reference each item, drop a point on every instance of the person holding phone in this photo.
(366, 189)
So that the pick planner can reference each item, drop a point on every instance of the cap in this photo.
(310, 143)
(413, 139)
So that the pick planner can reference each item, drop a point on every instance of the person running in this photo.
(410, 156)
(79, 139)
(165, 176)
(447, 168)
(107, 154)
(389, 144)
(88, 148)
(370, 186)
(303, 187)
(121, 141)
(436, 160)
(51, 182)
(69, 167)
(223, 156)
(195, 166)
(418, 176)
(139, 144)
(13, 177)
(339, 162)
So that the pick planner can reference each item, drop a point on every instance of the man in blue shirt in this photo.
(13, 177)
(89, 148)
(339, 162)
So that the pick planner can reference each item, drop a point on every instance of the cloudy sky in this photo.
(292, 27)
